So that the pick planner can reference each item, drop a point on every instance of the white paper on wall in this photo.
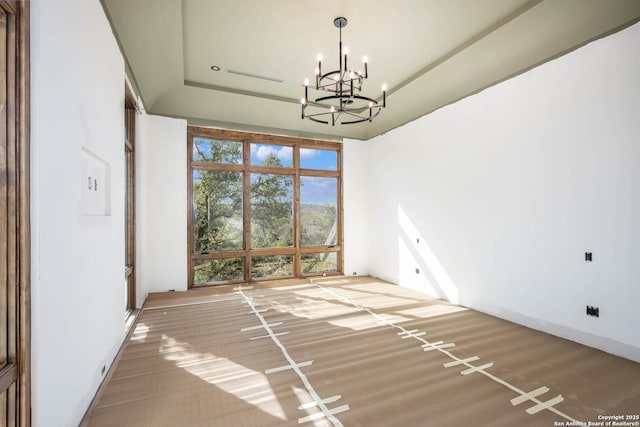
(95, 185)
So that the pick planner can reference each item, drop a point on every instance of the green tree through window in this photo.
(247, 192)
(271, 208)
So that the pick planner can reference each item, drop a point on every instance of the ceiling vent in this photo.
(255, 76)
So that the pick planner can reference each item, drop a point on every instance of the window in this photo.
(262, 207)
(271, 210)
(318, 211)
(129, 202)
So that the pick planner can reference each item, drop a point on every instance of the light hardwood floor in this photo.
(352, 352)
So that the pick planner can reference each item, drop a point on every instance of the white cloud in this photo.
(285, 153)
(306, 153)
(263, 151)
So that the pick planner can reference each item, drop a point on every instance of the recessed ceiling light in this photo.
(215, 68)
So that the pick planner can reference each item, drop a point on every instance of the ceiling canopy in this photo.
(429, 53)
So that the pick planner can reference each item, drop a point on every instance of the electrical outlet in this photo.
(355, 273)
(417, 270)
(417, 240)
(593, 311)
(588, 256)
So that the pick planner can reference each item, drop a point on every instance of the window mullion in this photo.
(297, 268)
(246, 208)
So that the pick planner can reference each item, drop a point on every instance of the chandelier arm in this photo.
(356, 112)
(353, 112)
(361, 119)
(359, 111)
(355, 82)
(329, 97)
(317, 120)
(329, 88)
(319, 114)
(330, 73)
(355, 121)
(336, 115)
(349, 113)
(366, 98)
(319, 105)
(365, 119)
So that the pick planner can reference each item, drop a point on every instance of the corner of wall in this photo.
(356, 207)
(161, 200)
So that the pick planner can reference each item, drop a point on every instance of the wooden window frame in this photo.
(130, 202)
(247, 169)
(15, 375)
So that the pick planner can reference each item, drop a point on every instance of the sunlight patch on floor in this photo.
(363, 322)
(432, 311)
(140, 333)
(244, 383)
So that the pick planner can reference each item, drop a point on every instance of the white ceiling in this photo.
(430, 53)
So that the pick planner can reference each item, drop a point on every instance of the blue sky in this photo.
(309, 158)
(318, 191)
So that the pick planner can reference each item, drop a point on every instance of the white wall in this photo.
(161, 203)
(507, 189)
(77, 261)
(355, 186)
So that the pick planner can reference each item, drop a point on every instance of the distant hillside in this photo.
(311, 208)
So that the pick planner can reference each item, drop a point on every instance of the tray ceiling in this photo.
(429, 53)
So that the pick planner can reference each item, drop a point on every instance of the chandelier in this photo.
(342, 101)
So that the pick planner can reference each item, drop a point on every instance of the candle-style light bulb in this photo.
(333, 109)
(384, 95)
(306, 82)
(345, 50)
(303, 101)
